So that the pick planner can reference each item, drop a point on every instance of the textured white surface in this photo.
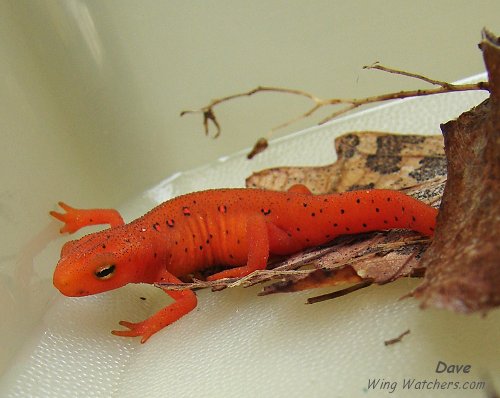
(238, 344)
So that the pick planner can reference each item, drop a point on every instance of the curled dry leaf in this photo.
(365, 160)
(463, 262)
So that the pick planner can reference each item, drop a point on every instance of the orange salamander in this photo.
(237, 228)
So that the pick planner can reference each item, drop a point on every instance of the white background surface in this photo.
(89, 103)
(238, 344)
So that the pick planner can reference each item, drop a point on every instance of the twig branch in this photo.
(339, 293)
(377, 65)
(397, 339)
(318, 103)
(209, 116)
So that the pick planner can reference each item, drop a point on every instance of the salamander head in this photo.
(99, 262)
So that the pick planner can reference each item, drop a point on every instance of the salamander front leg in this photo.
(185, 302)
(74, 219)
(258, 250)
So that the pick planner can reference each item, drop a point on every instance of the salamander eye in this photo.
(105, 271)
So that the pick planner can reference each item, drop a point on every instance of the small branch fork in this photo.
(350, 104)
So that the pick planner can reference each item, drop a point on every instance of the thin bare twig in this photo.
(339, 293)
(209, 116)
(350, 104)
(377, 65)
(397, 339)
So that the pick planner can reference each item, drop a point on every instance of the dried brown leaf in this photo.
(365, 160)
(379, 257)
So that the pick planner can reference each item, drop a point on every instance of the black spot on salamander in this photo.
(388, 199)
(304, 204)
(396, 218)
(364, 225)
(171, 223)
(386, 222)
(347, 229)
(155, 255)
(265, 211)
(103, 246)
(298, 229)
(313, 214)
(201, 247)
(207, 241)
(432, 229)
(413, 218)
(325, 200)
(231, 256)
(185, 250)
(307, 240)
(227, 232)
(335, 225)
(321, 210)
(156, 227)
(358, 201)
(222, 209)
(186, 211)
(176, 242)
(377, 209)
(342, 211)
(403, 209)
(289, 234)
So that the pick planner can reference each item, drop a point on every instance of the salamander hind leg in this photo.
(300, 188)
(281, 242)
(74, 219)
(258, 250)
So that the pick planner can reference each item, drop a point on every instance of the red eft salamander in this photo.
(238, 228)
